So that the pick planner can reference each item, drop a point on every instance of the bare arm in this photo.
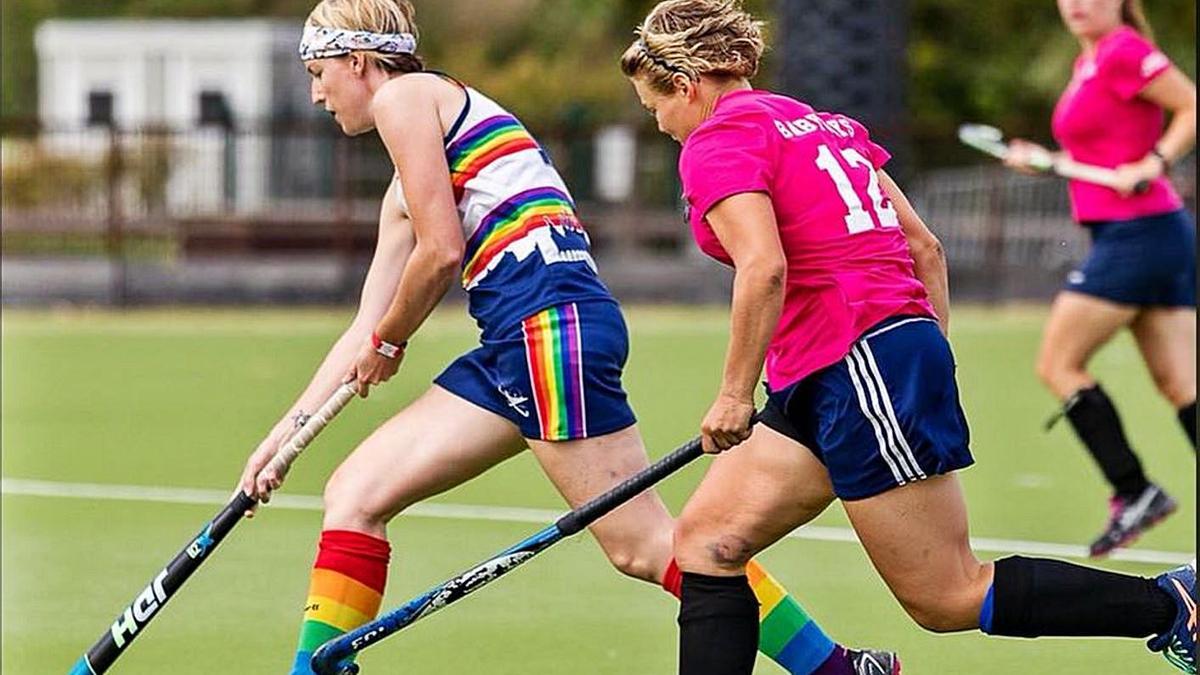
(929, 258)
(392, 250)
(412, 131)
(407, 119)
(745, 224)
(393, 254)
(1174, 92)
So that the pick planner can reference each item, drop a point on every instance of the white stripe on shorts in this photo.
(856, 380)
(865, 348)
(890, 326)
(878, 395)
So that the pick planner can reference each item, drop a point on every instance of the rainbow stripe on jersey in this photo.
(489, 141)
(513, 220)
(553, 348)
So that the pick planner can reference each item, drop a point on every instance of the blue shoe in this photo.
(1178, 645)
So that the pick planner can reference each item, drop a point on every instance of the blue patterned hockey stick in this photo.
(332, 658)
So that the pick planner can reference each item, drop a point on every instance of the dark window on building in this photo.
(214, 109)
(100, 108)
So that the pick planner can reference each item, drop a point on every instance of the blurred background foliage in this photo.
(554, 62)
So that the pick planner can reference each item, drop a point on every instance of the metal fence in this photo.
(287, 213)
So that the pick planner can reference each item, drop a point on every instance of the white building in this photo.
(226, 76)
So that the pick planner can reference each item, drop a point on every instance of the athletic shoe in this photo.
(1129, 518)
(1178, 645)
(873, 662)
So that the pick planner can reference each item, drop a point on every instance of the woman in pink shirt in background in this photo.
(1141, 272)
(840, 291)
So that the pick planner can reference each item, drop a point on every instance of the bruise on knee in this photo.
(730, 551)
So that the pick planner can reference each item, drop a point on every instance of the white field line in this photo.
(138, 493)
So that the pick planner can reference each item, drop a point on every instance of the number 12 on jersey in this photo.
(857, 218)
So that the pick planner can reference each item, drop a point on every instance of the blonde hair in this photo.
(1134, 16)
(376, 16)
(694, 38)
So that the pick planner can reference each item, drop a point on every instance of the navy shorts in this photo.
(885, 415)
(1146, 262)
(556, 374)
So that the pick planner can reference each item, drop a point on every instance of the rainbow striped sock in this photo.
(345, 591)
(786, 633)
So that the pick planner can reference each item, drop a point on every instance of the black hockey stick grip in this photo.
(587, 514)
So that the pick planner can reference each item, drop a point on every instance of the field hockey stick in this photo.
(990, 140)
(330, 658)
(145, 606)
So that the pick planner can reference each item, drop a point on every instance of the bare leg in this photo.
(636, 537)
(1078, 326)
(916, 536)
(437, 442)
(723, 525)
(1167, 340)
(412, 457)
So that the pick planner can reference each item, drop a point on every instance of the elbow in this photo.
(448, 263)
(774, 277)
(930, 249)
(769, 277)
(443, 260)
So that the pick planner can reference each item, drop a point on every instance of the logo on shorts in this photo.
(1076, 278)
(515, 401)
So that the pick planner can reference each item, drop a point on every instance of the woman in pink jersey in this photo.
(474, 200)
(840, 291)
(1141, 272)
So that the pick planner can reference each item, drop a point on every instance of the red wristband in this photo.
(385, 348)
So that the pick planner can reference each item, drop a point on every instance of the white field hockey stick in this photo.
(989, 139)
(145, 606)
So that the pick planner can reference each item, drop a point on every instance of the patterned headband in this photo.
(320, 42)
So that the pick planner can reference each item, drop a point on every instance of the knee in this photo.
(948, 608)
(636, 562)
(706, 546)
(1176, 388)
(1051, 370)
(347, 507)
(932, 617)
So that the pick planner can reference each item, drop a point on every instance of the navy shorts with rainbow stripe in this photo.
(556, 374)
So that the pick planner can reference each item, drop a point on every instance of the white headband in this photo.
(320, 42)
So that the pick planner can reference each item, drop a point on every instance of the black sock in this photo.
(1095, 420)
(1187, 417)
(718, 626)
(1034, 597)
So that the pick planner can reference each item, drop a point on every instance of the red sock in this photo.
(345, 591)
(359, 556)
(672, 581)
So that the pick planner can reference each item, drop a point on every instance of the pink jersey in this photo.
(848, 264)
(1100, 120)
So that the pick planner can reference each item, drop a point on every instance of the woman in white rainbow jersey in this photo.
(476, 200)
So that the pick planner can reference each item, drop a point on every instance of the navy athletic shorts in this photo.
(884, 416)
(556, 374)
(1147, 262)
